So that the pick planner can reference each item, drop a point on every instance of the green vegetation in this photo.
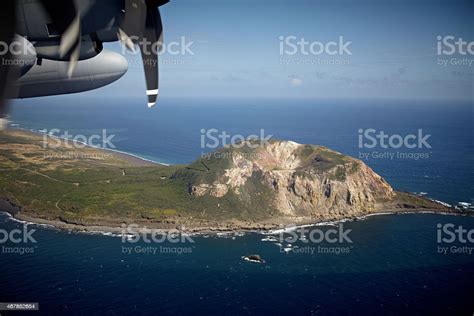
(85, 190)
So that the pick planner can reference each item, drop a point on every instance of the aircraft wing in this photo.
(71, 31)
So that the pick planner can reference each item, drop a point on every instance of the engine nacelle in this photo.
(50, 77)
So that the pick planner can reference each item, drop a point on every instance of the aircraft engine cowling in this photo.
(51, 77)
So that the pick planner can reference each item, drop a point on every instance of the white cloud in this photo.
(295, 82)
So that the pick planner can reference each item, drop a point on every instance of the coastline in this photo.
(223, 229)
(129, 157)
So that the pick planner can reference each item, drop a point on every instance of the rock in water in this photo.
(253, 258)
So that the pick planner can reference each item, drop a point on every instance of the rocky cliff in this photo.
(294, 179)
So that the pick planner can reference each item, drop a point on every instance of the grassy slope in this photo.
(88, 190)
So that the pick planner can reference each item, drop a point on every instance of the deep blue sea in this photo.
(392, 266)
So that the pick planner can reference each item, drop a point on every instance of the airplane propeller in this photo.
(142, 25)
(141, 21)
(67, 20)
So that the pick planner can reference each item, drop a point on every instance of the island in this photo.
(247, 187)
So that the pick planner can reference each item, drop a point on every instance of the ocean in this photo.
(393, 267)
(394, 263)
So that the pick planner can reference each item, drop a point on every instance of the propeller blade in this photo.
(71, 42)
(142, 25)
(154, 35)
(67, 20)
(133, 23)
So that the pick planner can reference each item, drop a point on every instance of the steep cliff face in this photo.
(293, 179)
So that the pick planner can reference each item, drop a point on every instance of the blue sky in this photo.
(237, 50)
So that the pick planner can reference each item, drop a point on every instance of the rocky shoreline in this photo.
(219, 228)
